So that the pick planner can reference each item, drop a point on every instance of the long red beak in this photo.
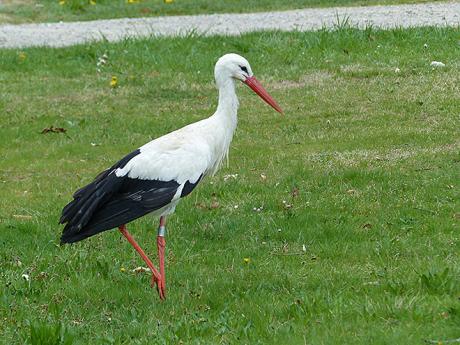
(254, 84)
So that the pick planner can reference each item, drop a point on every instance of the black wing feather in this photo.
(134, 199)
(110, 201)
(103, 182)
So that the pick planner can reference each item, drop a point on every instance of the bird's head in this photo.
(234, 66)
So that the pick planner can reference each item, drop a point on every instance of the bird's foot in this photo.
(160, 285)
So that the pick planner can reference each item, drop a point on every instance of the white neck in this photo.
(224, 119)
(228, 102)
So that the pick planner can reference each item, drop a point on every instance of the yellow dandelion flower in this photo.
(22, 56)
(61, 2)
(246, 260)
(168, 1)
(122, 269)
(92, 2)
(114, 82)
(132, 1)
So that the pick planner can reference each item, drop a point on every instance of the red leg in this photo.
(161, 245)
(156, 277)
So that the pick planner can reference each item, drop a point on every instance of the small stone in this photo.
(437, 64)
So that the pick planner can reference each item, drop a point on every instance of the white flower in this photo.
(26, 277)
(141, 269)
(101, 62)
(230, 176)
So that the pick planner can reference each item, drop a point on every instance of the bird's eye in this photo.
(244, 69)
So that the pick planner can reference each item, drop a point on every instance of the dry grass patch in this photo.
(316, 78)
(391, 156)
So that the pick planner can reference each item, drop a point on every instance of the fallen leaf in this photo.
(42, 276)
(214, 204)
(295, 192)
(53, 129)
(367, 226)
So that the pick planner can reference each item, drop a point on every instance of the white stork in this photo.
(153, 178)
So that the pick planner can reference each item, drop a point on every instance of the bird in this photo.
(155, 177)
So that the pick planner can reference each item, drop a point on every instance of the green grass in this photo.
(21, 11)
(363, 170)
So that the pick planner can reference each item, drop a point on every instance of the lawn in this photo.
(347, 207)
(23, 11)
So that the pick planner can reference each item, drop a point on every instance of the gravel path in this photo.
(65, 34)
